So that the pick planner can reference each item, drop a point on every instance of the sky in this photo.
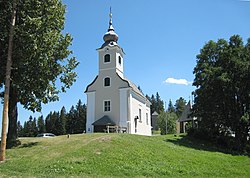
(161, 39)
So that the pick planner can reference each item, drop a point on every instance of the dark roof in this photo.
(135, 88)
(87, 88)
(105, 120)
(155, 114)
(185, 116)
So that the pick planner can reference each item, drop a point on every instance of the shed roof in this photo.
(155, 114)
(105, 120)
(185, 116)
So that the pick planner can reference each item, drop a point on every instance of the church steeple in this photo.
(110, 36)
(110, 53)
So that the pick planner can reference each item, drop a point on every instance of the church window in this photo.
(147, 118)
(106, 58)
(140, 115)
(120, 60)
(107, 82)
(106, 106)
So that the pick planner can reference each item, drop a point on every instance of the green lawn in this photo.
(120, 155)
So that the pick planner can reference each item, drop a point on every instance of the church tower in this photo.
(110, 53)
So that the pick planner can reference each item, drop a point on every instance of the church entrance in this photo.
(101, 124)
(99, 128)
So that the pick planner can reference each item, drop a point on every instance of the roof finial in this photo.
(110, 13)
(110, 35)
(111, 28)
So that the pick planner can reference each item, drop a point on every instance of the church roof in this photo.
(185, 116)
(135, 89)
(130, 84)
(105, 120)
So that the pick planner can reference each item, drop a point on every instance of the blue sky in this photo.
(161, 39)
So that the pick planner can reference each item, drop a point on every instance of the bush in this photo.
(199, 133)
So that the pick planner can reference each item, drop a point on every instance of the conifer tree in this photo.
(41, 125)
(179, 106)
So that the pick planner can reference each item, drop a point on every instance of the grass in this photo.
(120, 155)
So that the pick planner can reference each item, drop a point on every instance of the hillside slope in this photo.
(120, 155)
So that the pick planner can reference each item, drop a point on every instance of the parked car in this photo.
(46, 135)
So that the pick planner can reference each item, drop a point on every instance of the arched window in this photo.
(120, 60)
(107, 82)
(106, 58)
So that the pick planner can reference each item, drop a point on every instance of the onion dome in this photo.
(110, 36)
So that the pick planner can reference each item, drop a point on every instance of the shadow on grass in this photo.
(190, 142)
(28, 145)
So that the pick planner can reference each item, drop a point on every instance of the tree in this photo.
(70, 122)
(41, 125)
(171, 122)
(30, 128)
(76, 119)
(40, 50)
(19, 129)
(156, 103)
(162, 122)
(222, 95)
(179, 106)
(50, 122)
(171, 107)
(59, 127)
(7, 77)
(160, 103)
(63, 118)
(81, 117)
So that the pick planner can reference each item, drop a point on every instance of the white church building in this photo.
(114, 102)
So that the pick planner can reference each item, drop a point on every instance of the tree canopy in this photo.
(222, 96)
(42, 64)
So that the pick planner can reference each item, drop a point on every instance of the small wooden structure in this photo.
(185, 118)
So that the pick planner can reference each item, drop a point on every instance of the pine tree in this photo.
(70, 123)
(19, 129)
(41, 125)
(179, 106)
(171, 107)
(160, 103)
(63, 118)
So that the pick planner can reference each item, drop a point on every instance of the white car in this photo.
(46, 135)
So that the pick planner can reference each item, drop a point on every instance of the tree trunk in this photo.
(7, 84)
(12, 130)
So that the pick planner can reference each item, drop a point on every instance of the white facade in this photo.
(113, 100)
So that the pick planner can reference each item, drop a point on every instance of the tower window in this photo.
(120, 60)
(106, 106)
(107, 82)
(106, 58)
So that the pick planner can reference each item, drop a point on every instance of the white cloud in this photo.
(177, 81)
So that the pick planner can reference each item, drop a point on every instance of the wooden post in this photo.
(7, 85)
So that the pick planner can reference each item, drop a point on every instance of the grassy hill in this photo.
(120, 155)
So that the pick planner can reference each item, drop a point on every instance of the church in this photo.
(114, 103)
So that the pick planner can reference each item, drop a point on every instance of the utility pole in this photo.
(7, 84)
(166, 122)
